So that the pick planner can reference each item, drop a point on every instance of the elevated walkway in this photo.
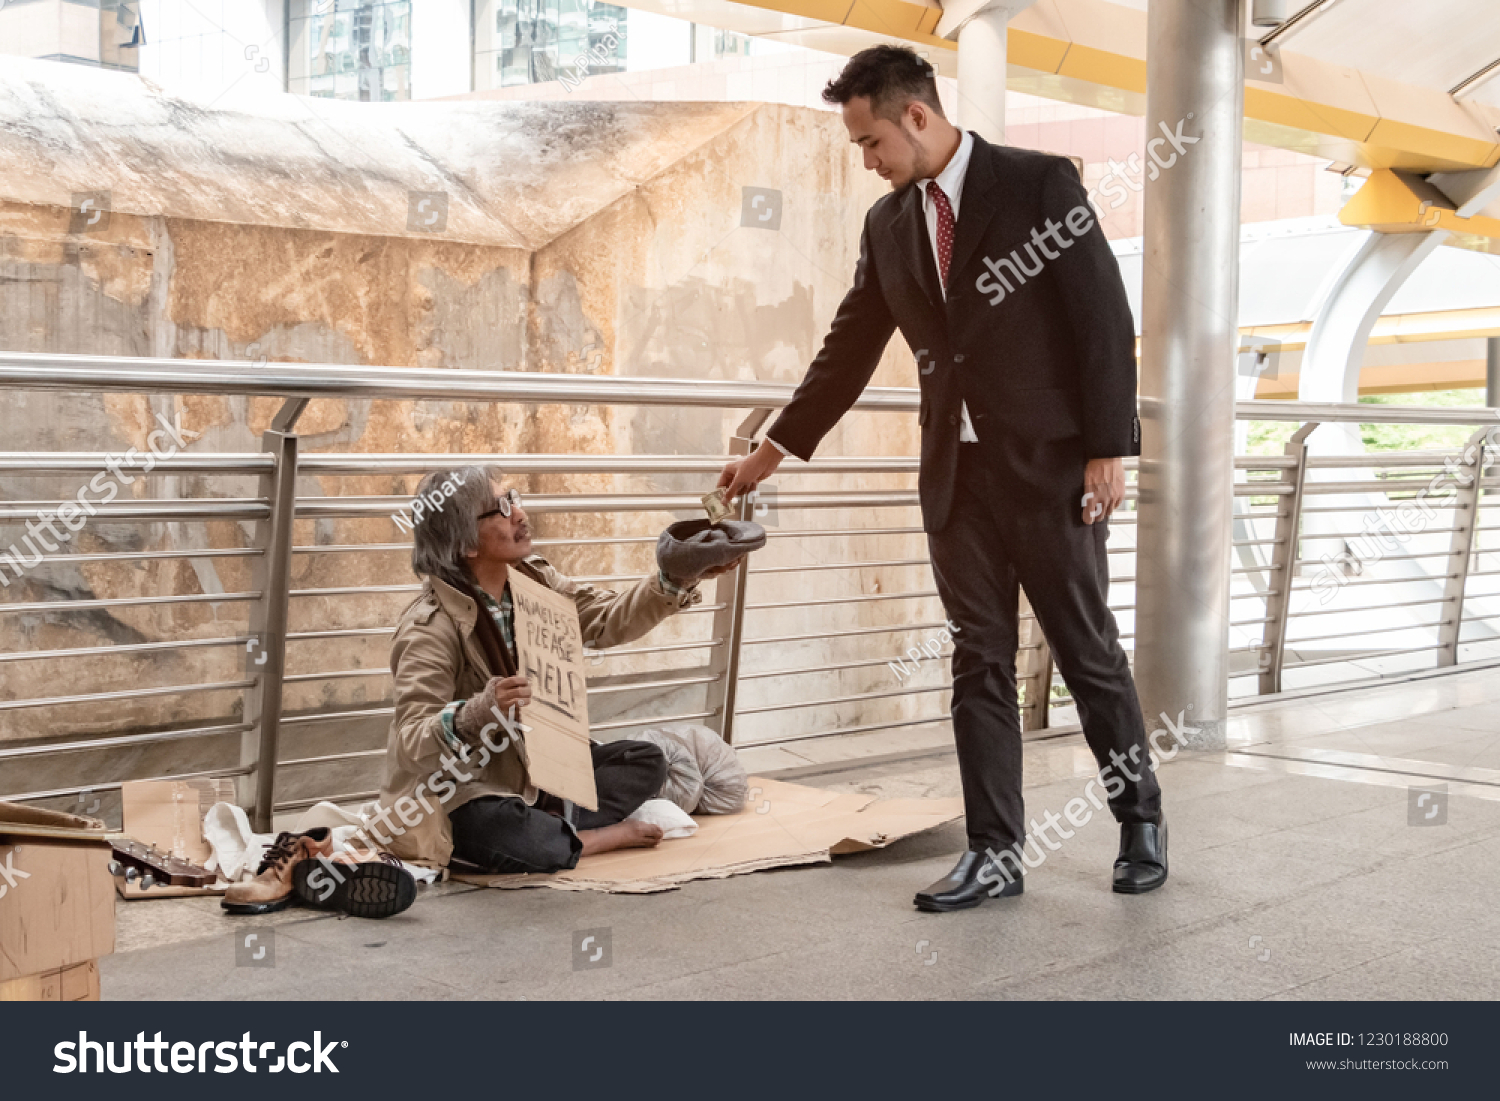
(1296, 873)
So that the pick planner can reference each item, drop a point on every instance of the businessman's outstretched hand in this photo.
(1103, 488)
(742, 475)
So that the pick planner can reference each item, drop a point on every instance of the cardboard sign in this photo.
(169, 814)
(549, 649)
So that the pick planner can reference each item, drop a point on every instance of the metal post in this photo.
(729, 621)
(1284, 559)
(1461, 549)
(266, 654)
(1190, 304)
(1492, 372)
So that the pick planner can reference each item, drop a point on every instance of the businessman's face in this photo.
(896, 151)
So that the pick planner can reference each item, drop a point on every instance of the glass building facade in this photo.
(351, 49)
(533, 41)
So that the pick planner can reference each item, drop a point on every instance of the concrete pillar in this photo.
(981, 74)
(1492, 372)
(1190, 293)
(980, 27)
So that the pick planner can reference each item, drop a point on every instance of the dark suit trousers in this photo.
(986, 548)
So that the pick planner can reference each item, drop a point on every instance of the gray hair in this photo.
(447, 532)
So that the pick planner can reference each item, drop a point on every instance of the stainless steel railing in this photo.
(729, 646)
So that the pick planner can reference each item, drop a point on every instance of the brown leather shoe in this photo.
(271, 889)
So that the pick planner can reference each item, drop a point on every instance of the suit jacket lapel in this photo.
(976, 206)
(910, 229)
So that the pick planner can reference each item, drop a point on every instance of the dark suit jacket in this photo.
(1044, 358)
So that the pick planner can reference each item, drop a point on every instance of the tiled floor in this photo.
(1302, 867)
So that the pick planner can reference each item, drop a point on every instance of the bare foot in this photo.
(629, 834)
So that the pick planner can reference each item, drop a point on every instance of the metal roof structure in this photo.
(1369, 83)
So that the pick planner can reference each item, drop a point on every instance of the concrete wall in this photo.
(581, 237)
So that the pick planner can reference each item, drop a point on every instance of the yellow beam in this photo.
(1395, 378)
(1396, 202)
(1406, 378)
(1394, 328)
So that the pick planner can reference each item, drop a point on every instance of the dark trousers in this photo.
(501, 834)
(988, 547)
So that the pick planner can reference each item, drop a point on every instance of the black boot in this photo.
(1142, 865)
(973, 879)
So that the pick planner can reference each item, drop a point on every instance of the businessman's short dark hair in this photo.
(891, 76)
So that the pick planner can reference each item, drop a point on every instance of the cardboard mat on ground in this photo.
(782, 824)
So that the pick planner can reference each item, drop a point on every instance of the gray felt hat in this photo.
(690, 547)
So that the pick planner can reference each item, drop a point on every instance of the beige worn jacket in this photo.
(435, 660)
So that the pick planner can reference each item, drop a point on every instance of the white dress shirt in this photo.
(951, 180)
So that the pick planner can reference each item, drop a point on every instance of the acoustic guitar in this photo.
(147, 866)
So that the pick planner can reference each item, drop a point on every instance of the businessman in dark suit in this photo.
(991, 261)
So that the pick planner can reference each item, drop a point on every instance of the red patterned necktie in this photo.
(944, 230)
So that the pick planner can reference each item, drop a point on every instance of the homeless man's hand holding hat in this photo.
(692, 550)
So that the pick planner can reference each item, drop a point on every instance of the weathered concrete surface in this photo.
(517, 175)
(580, 238)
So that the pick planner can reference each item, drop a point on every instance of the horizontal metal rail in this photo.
(1261, 484)
(133, 462)
(123, 741)
(867, 728)
(49, 607)
(622, 724)
(141, 374)
(1293, 643)
(868, 598)
(123, 648)
(651, 686)
(1361, 656)
(157, 512)
(833, 701)
(126, 694)
(152, 556)
(116, 785)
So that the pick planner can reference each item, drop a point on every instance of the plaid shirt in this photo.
(503, 613)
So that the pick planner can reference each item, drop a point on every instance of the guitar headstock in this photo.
(149, 866)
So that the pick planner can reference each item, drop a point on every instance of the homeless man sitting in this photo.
(456, 783)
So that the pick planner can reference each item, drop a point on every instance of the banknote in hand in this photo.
(716, 506)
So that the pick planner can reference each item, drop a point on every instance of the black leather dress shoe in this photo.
(973, 879)
(1142, 865)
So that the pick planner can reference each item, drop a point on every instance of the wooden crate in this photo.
(78, 983)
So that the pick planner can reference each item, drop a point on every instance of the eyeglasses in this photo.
(503, 504)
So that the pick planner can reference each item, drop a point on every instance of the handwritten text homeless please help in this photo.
(551, 652)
